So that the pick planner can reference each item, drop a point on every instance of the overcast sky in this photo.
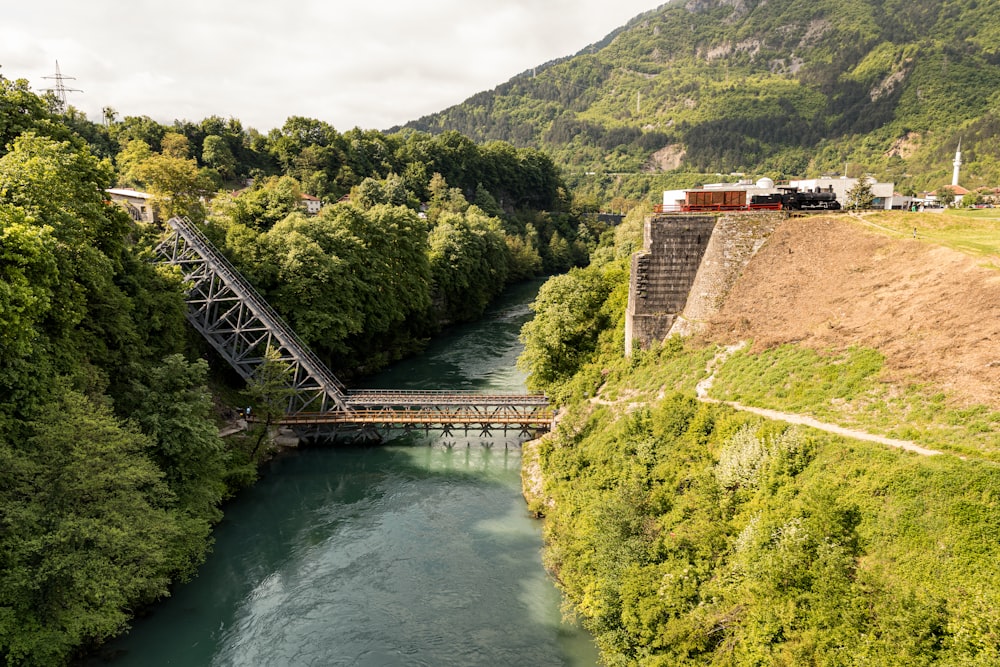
(371, 64)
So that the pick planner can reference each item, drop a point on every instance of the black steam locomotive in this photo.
(790, 198)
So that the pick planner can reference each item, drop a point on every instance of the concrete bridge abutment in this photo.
(686, 268)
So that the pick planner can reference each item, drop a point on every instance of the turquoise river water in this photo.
(416, 552)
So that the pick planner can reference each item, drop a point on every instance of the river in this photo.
(416, 552)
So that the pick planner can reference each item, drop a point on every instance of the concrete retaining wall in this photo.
(686, 269)
(662, 274)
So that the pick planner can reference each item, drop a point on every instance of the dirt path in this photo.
(233, 428)
(702, 392)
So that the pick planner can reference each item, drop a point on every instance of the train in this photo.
(781, 198)
(795, 199)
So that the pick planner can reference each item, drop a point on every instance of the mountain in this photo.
(777, 87)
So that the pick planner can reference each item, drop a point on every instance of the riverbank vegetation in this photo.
(689, 533)
(113, 468)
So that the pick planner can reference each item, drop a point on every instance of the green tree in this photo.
(215, 153)
(563, 333)
(175, 409)
(972, 199)
(87, 524)
(468, 259)
(395, 271)
(560, 254)
(316, 262)
(128, 160)
(288, 143)
(444, 199)
(22, 111)
(51, 189)
(860, 196)
(946, 196)
(176, 184)
(262, 206)
(176, 145)
(391, 190)
(268, 392)
(28, 274)
(523, 260)
(487, 202)
(143, 128)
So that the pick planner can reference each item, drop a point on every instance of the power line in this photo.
(60, 88)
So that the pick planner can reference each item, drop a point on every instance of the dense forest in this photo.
(113, 468)
(695, 90)
(684, 532)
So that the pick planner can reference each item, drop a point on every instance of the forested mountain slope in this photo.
(778, 86)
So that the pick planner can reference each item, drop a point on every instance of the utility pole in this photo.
(638, 99)
(60, 88)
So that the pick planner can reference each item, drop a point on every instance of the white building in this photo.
(883, 192)
(138, 204)
(674, 199)
(312, 204)
(957, 164)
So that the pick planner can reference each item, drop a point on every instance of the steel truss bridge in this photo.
(240, 325)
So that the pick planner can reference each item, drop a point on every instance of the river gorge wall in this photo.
(686, 268)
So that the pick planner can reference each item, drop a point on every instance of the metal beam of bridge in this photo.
(241, 325)
(236, 320)
(447, 412)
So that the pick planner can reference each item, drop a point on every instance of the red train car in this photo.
(714, 200)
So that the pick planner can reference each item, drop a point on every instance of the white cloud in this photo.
(367, 64)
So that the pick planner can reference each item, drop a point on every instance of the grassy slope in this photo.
(892, 562)
(852, 385)
(827, 551)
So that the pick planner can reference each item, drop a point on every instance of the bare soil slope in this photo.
(829, 283)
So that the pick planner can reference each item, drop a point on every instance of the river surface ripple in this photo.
(418, 552)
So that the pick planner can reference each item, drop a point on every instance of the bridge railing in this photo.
(439, 397)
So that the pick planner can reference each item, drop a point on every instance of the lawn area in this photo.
(972, 231)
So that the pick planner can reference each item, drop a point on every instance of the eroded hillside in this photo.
(834, 282)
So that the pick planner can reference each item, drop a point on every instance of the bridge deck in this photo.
(447, 412)
(377, 397)
(421, 418)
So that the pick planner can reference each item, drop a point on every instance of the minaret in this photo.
(957, 163)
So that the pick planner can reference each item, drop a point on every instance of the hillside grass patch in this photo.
(849, 389)
(971, 231)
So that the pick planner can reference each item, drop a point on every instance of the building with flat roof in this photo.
(673, 200)
(138, 204)
(883, 192)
